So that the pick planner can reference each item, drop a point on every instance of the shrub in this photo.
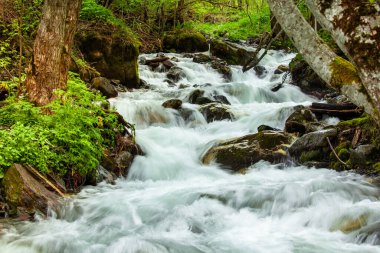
(66, 136)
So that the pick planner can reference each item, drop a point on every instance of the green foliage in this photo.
(93, 11)
(24, 21)
(239, 25)
(66, 136)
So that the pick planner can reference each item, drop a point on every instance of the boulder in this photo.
(361, 155)
(281, 69)
(175, 74)
(312, 148)
(369, 234)
(26, 195)
(216, 111)
(173, 104)
(261, 71)
(262, 128)
(231, 53)
(239, 153)
(195, 94)
(185, 41)
(119, 160)
(111, 51)
(301, 121)
(201, 58)
(104, 86)
(221, 99)
(222, 67)
(306, 79)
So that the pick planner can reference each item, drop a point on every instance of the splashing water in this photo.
(171, 202)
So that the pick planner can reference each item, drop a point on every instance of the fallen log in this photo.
(342, 111)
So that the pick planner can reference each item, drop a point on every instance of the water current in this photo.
(171, 202)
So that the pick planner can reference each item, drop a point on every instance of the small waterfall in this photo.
(171, 202)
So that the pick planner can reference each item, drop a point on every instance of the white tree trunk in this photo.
(335, 71)
(355, 27)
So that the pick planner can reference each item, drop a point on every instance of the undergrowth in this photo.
(66, 136)
(93, 11)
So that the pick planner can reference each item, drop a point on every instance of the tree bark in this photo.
(335, 71)
(49, 67)
(355, 27)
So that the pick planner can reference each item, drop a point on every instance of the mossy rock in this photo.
(26, 195)
(185, 41)
(231, 54)
(110, 51)
(240, 153)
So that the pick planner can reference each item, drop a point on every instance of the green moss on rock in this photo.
(185, 41)
(343, 73)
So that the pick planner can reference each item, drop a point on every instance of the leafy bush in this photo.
(66, 136)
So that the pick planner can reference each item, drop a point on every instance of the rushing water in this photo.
(172, 203)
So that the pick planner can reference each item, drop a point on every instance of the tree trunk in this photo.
(355, 27)
(335, 71)
(49, 67)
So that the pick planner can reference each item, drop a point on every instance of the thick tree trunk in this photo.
(335, 71)
(355, 27)
(52, 48)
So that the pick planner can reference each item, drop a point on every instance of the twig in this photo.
(333, 150)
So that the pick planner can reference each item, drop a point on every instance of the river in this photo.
(171, 202)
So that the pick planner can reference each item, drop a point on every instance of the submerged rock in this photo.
(216, 111)
(222, 68)
(24, 194)
(240, 153)
(175, 74)
(173, 104)
(201, 58)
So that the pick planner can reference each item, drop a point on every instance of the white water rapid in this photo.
(170, 202)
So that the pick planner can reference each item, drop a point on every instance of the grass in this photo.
(231, 23)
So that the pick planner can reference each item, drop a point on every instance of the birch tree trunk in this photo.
(334, 70)
(355, 27)
(49, 67)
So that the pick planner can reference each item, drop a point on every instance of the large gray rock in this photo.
(239, 153)
(173, 104)
(216, 111)
(26, 195)
(175, 74)
(104, 86)
(312, 149)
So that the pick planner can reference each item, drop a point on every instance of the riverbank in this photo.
(171, 199)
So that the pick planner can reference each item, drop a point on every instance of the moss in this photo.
(343, 73)
(297, 59)
(270, 140)
(344, 154)
(356, 122)
(313, 155)
(185, 41)
(376, 167)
